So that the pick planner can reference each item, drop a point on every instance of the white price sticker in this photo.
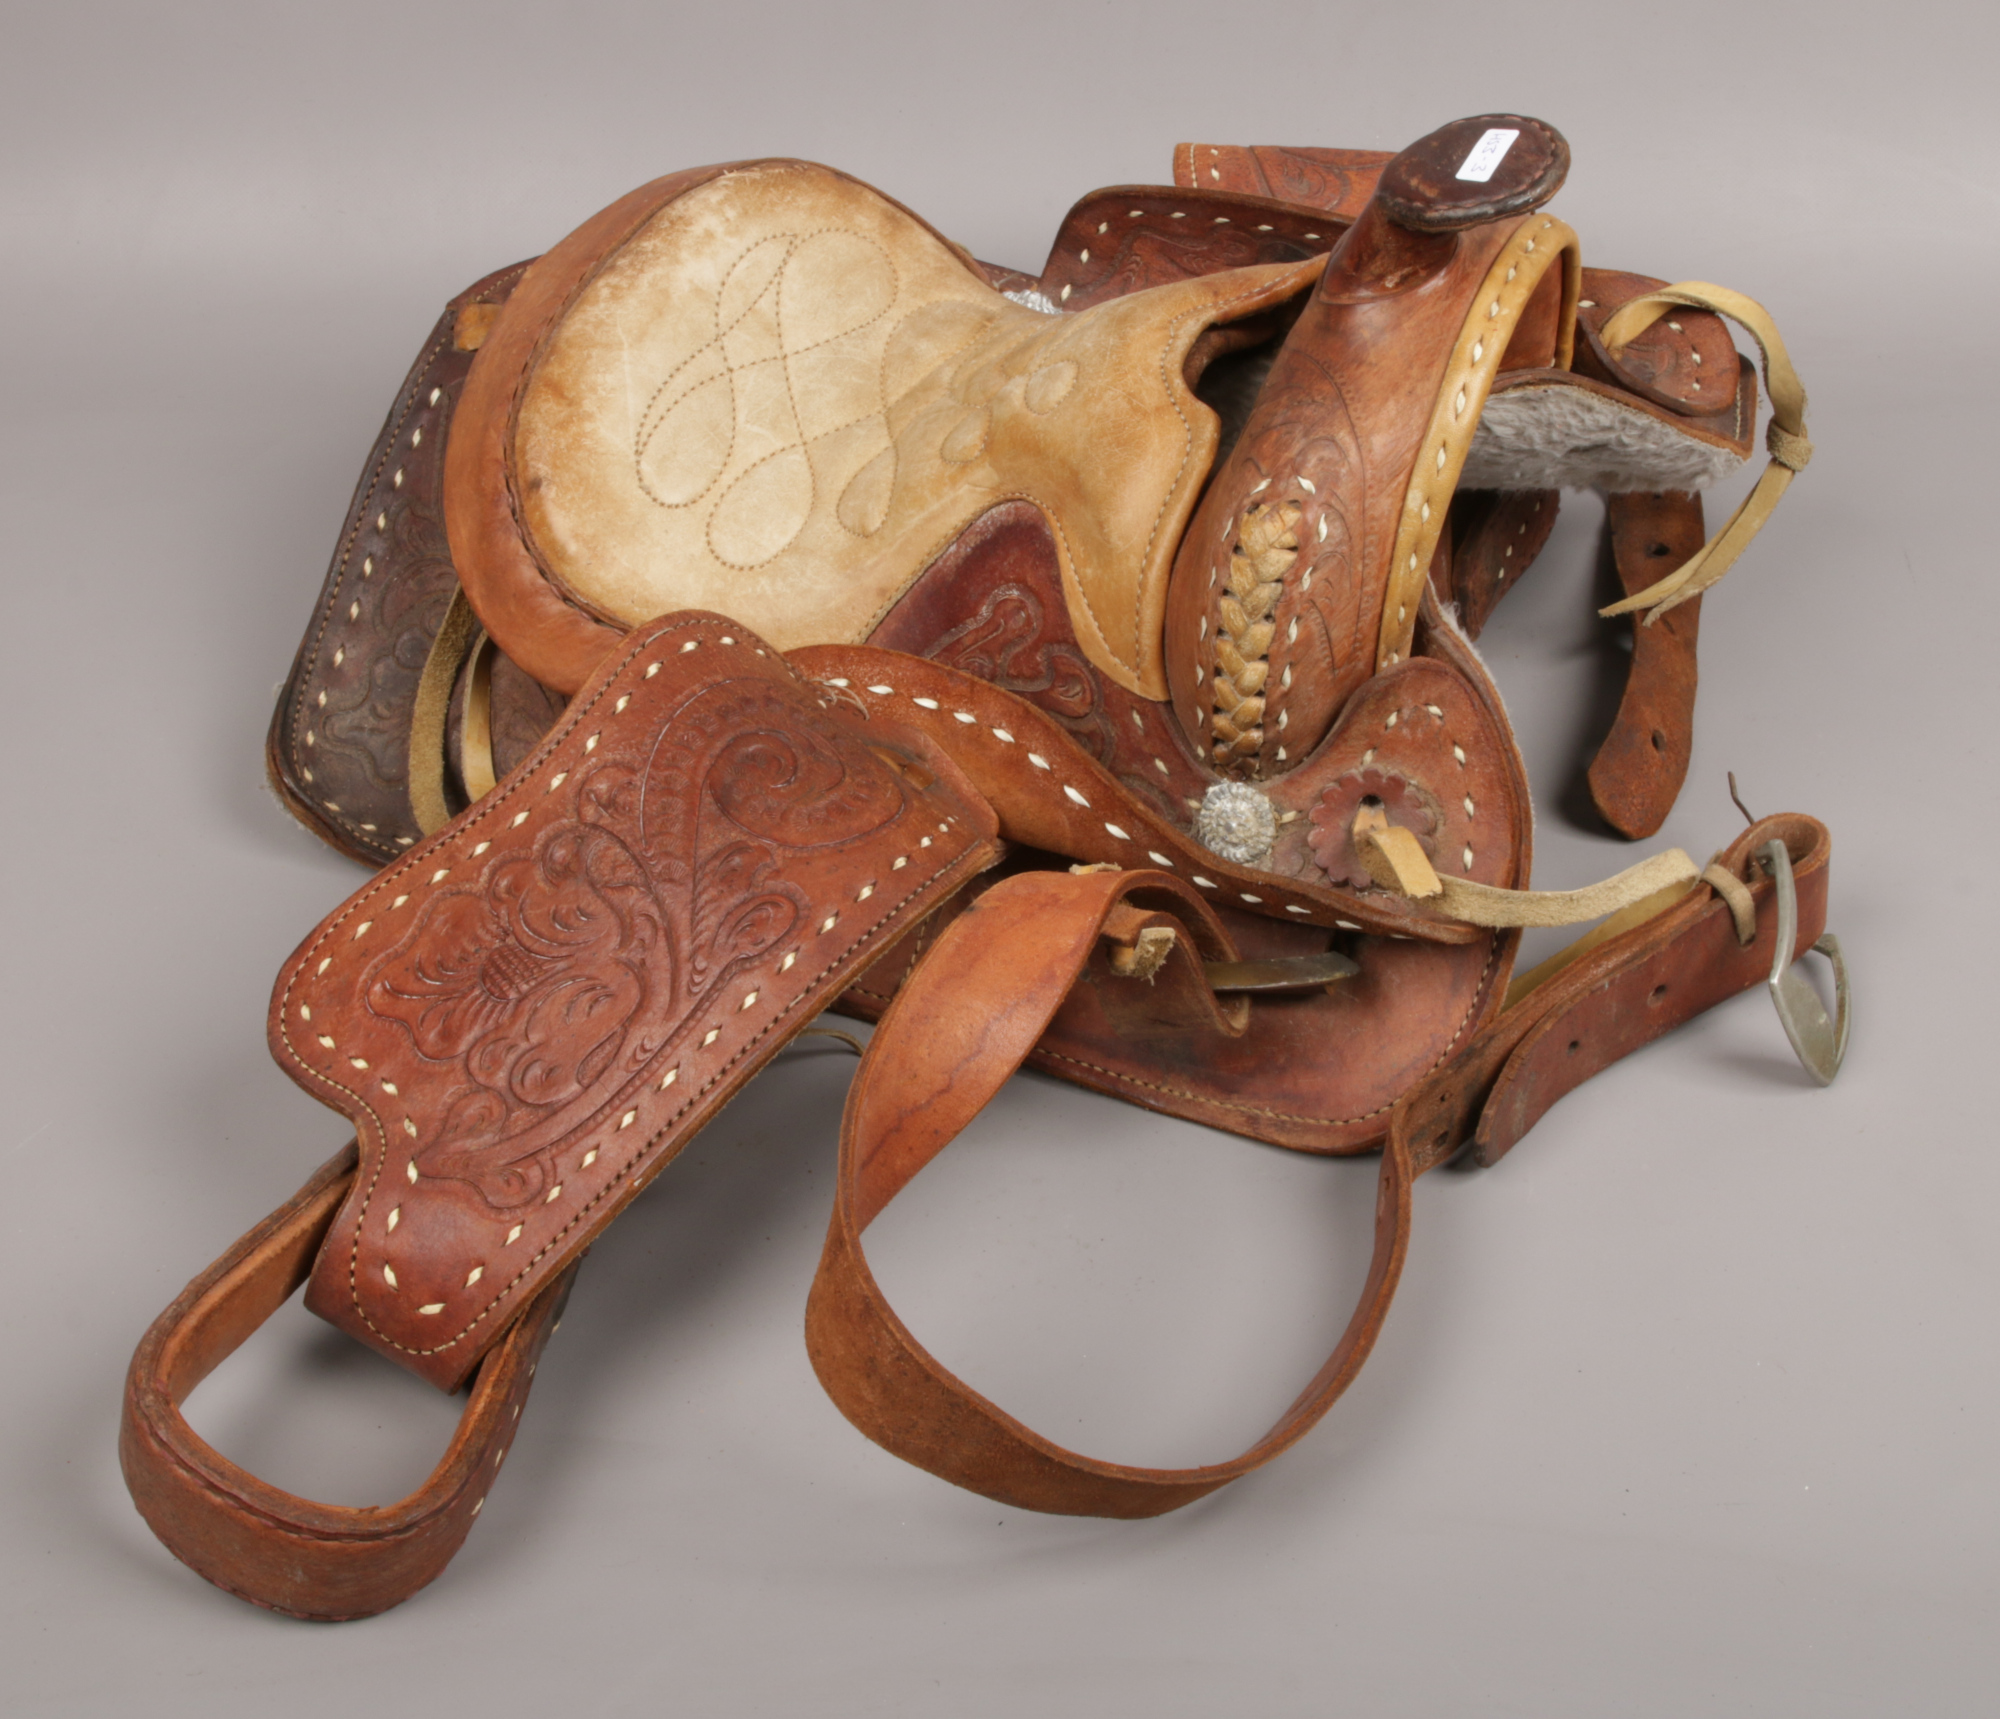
(1487, 154)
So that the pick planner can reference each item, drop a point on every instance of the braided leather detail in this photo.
(1265, 550)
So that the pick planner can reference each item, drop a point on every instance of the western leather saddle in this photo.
(758, 605)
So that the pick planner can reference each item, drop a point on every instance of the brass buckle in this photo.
(1821, 1044)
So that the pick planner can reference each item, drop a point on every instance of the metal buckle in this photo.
(1821, 1044)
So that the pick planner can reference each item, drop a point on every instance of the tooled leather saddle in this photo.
(757, 605)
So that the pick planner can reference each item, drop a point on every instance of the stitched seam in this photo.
(1153, 827)
(345, 561)
(1416, 535)
(784, 356)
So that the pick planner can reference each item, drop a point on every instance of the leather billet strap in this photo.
(459, 670)
(1641, 763)
(1588, 1006)
(995, 980)
(311, 1560)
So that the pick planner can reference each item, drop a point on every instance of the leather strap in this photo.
(972, 1011)
(957, 1030)
(460, 649)
(1641, 763)
(265, 1545)
(1397, 861)
(1577, 1014)
(1786, 438)
(456, 638)
(478, 769)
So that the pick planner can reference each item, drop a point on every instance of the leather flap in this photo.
(530, 1013)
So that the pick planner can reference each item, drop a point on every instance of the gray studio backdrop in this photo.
(1688, 1407)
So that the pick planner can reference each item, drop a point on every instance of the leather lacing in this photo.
(1786, 439)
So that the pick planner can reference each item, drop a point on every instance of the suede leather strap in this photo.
(1785, 436)
(993, 983)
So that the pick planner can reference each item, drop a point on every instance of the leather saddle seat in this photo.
(771, 390)
(782, 395)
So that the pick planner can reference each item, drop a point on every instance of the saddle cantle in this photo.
(757, 604)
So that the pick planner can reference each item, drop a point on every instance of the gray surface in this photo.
(1687, 1408)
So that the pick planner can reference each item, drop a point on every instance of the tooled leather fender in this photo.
(526, 1018)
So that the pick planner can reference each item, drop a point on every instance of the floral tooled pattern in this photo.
(530, 986)
(1401, 801)
(1008, 643)
(1295, 178)
(368, 722)
(1149, 256)
(744, 781)
(551, 982)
